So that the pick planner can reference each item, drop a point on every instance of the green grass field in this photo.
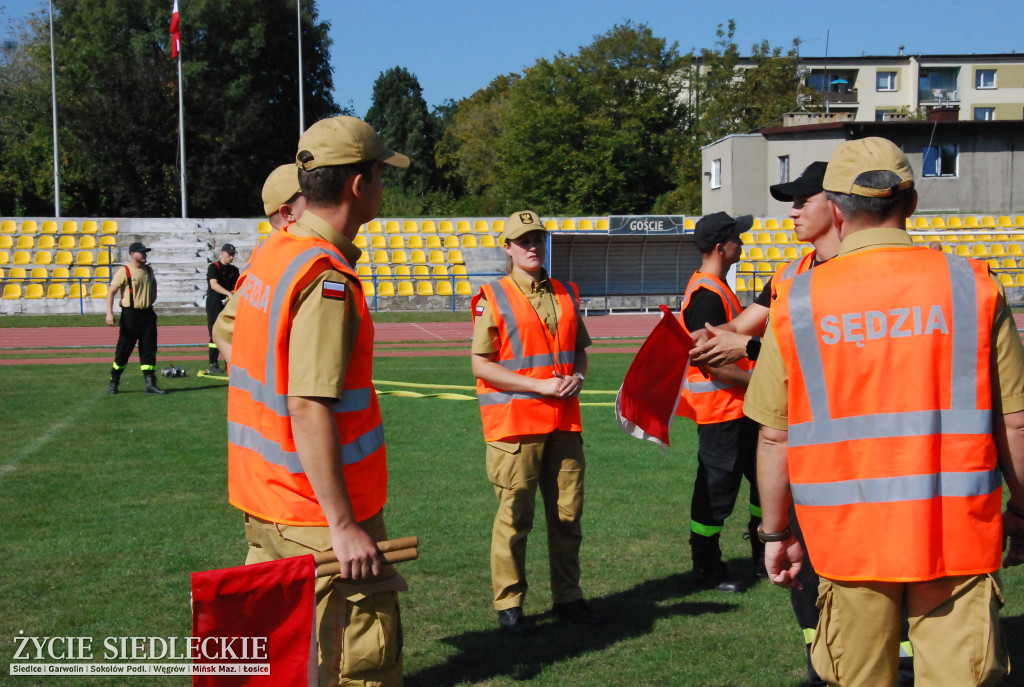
(108, 503)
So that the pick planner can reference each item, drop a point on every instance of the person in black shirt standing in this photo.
(221, 276)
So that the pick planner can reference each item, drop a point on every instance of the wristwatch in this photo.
(580, 375)
(753, 348)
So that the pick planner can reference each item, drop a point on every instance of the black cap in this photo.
(719, 227)
(227, 248)
(137, 247)
(808, 184)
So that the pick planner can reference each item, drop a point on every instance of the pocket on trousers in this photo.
(372, 639)
(502, 464)
(826, 649)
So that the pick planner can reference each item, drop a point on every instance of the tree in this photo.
(400, 115)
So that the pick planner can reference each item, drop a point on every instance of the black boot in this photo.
(709, 570)
(115, 379)
(151, 387)
(756, 549)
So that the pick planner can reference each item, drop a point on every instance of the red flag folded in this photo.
(268, 610)
(647, 400)
(175, 32)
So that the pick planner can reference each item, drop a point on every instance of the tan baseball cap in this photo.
(280, 187)
(343, 140)
(520, 223)
(873, 154)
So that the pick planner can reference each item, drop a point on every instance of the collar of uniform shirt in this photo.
(312, 224)
(869, 238)
(527, 285)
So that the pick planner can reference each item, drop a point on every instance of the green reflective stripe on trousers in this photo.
(906, 649)
(213, 345)
(755, 511)
(146, 368)
(119, 367)
(808, 635)
(704, 530)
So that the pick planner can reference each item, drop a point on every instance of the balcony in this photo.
(843, 98)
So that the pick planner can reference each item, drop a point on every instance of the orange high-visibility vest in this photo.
(790, 270)
(265, 476)
(707, 401)
(891, 457)
(528, 348)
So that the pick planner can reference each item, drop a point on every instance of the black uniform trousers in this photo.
(138, 325)
(214, 306)
(726, 453)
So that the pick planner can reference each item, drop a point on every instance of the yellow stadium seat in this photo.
(56, 291)
(34, 291)
(391, 227)
(487, 242)
(1018, 279)
(17, 273)
(908, 224)
(756, 253)
(586, 225)
(980, 251)
(398, 257)
(764, 268)
(8, 226)
(417, 257)
(963, 250)
(410, 226)
(551, 225)
(469, 241)
(439, 271)
(59, 274)
(39, 274)
(368, 290)
(373, 227)
(971, 222)
(993, 263)
(763, 237)
(806, 250)
(454, 256)
(4, 257)
(383, 271)
(109, 226)
(424, 288)
(87, 242)
(790, 253)
(89, 227)
(26, 243)
(363, 271)
(462, 227)
(1005, 279)
(380, 256)
(385, 289)
(756, 225)
(43, 257)
(757, 284)
(29, 226)
(102, 273)
(98, 291)
(6, 242)
(988, 221)
(954, 222)
(446, 227)
(378, 242)
(402, 271)
(745, 267)
(1018, 221)
(781, 238)
(420, 271)
(773, 253)
(459, 270)
(997, 250)
(433, 242)
(498, 226)
(787, 224)
(1, 274)
(66, 227)
(451, 241)
(85, 257)
(76, 291)
(405, 288)
(415, 241)
(568, 225)
(921, 223)
(46, 243)
(443, 288)
(396, 242)
(602, 225)
(771, 223)
(741, 284)
(364, 257)
(63, 257)
(49, 227)
(436, 257)
(1008, 264)
(12, 292)
(1014, 249)
(22, 257)
(106, 241)
(938, 223)
(264, 227)
(462, 288)
(360, 241)
(747, 237)
(481, 227)
(428, 227)
(103, 257)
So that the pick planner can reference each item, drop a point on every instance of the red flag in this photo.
(647, 400)
(175, 32)
(269, 609)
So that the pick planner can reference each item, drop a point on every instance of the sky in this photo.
(456, 48)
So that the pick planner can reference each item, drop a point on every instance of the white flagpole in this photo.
(181, 139)
(56, 147)
(298, 31)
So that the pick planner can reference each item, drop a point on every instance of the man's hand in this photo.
(718, 347)
(357, 553)
(783, 560)
(110, 320)
(1013, 539)
(570, 386)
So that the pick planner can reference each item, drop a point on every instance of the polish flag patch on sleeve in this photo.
(334, 290)
(480, 309)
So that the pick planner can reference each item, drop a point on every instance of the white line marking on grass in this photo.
(40, 440)
(427, 331)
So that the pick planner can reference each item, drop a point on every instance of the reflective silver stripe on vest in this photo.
(963, 417)
(905, 488)
(707, 387)
(790, 270)
(272, 451)
(715, 287)
(351, 401)
(519, 361)
(496, 398)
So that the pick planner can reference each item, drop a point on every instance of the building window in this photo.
(940, 161)
(716, 173)
(986, 114)
(885, 81)
(985, 78)
(783, 169)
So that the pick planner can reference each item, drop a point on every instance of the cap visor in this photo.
(394, 159)
(787, 192)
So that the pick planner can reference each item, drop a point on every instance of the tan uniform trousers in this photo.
(954, 629)
(358, 626)
(556, 464)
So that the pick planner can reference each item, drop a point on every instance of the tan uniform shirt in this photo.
(541, 297)
(767, 400)
(323, 330)
(143, 284)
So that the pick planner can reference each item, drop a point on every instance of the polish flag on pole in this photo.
(175, 32)
(647, 399)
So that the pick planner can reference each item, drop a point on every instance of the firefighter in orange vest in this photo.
(726, 440)
(891, 392)
(530, 359)
(306, 456)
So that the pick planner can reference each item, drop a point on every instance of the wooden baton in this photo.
(393, 551)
